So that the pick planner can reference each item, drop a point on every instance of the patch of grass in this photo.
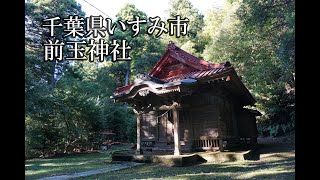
(276, 162)
(37, 168)
(272, 165)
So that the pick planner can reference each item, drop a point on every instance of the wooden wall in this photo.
(202, 117)
(207, 116)
(149, 126)
(165, 126)
(156, 127)
(247, 124)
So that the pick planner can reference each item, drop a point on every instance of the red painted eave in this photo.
(158, 66)
(185, 58)
(122, 89)
(194, 68)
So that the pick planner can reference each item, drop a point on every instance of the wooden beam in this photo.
(139, 118)
(175, 115)
(165, 107)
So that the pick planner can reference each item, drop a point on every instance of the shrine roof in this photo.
(177, 65)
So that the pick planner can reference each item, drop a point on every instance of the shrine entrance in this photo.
(165, 128)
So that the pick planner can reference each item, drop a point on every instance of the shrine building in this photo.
(187, 104)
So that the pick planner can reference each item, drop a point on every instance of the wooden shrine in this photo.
(188, 104)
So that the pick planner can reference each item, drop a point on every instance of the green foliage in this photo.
(67, 103)
(257, 37)
(42, 107)
(132, 129)
(190, 43)
(146, 50)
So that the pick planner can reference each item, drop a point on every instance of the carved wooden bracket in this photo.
(144, 92)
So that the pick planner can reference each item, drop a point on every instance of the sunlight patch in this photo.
(64, 164)
(264, 172)
(32, 172)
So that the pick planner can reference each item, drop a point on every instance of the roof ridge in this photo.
(187, 56)
(181, 52)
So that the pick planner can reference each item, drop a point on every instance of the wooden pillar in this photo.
(139, 118)
(175, 115)
(221, 148)
(234, 121)
(221, 134)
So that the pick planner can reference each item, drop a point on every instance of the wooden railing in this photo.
(148, 143)
(206, 144)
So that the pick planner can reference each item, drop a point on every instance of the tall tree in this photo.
(274, 21)
(190, 43)
(42, 127)
(36, 34)
(146, 49)
(258, 38)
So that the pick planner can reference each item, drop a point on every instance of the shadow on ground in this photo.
(270, 161)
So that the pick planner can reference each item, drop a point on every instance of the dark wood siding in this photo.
(149, 125)
(205, 122)
(247, 124)
(204, 118)
(210, 116)
(165, 127)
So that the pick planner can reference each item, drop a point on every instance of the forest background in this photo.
(67, 103)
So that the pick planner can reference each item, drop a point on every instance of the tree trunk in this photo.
(52, 78)
(127, 74)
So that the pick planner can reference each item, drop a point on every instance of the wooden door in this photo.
(170, 127)
(162, 127)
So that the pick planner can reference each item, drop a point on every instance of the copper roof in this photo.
(185, 66)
